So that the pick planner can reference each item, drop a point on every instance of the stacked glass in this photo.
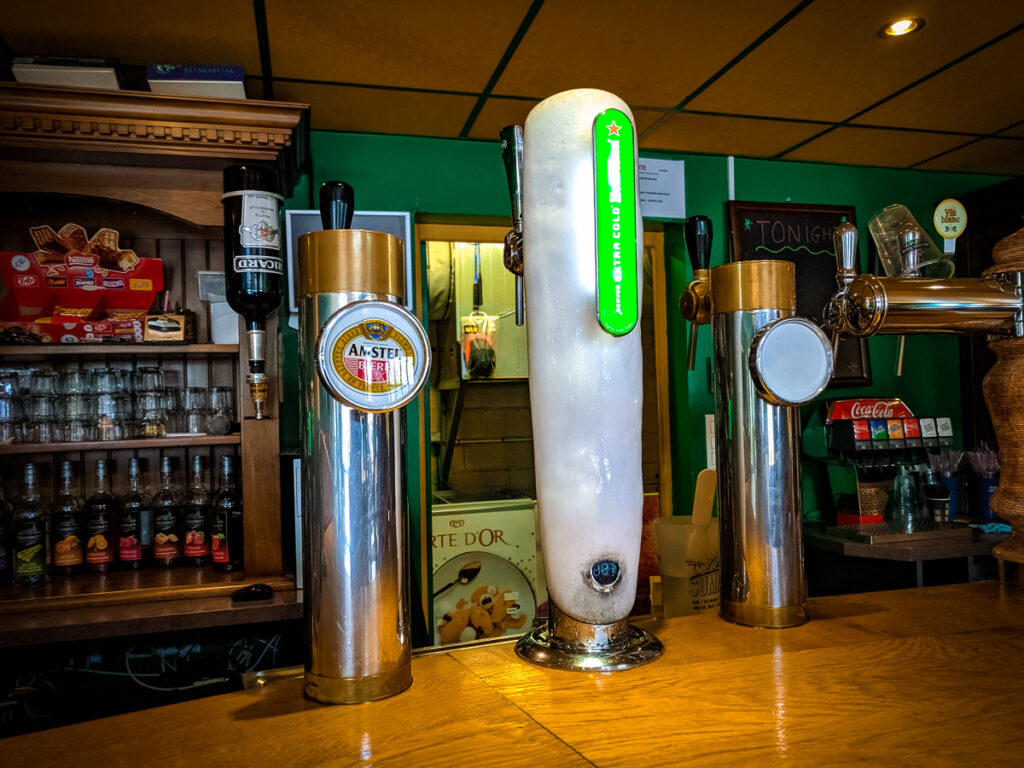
(106, 404)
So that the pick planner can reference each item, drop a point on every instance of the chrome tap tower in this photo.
(580, 255)
(362, 356)
(767, 363)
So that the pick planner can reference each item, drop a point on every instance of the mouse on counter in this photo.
(253, 592)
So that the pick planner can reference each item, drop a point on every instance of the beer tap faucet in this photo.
(695, 304)
(844, 243)
(512, 153)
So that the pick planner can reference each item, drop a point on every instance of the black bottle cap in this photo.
(261, 177)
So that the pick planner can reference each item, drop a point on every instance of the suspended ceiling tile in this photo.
(497, 113)
(1003, 156)
(379, 110)
(652, 53)
(406, 43)
(874, 146)
(179, 32)
(828, 62)
(979, 95)
(727, 135)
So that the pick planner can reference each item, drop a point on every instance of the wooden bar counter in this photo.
(931, 676)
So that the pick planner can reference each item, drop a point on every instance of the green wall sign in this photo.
(615, 206)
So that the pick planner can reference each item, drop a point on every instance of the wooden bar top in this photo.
(931, 676)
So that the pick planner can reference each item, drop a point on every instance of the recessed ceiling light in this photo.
(901, 27)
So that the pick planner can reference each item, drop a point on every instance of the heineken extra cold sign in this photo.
(616, 236)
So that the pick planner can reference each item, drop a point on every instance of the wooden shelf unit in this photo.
(155, 443)
(115, 350)
(149, 166)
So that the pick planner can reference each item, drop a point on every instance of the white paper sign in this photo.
(662, 194)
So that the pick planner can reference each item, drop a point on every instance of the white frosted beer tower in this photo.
(580, 242)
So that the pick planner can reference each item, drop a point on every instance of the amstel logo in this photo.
(374, 357)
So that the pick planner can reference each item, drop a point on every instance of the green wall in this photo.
(466, 178)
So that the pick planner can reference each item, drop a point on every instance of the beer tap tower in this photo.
(581, 239)
(362, 356)
(992, 304)
(767, 363)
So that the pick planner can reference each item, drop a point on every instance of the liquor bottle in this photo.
(254, 265)
(6, 544)
(100, 523)
(197, 517)
(166, 519)
(67, 524)
(31, 521)
(131, 526)
(227, 545)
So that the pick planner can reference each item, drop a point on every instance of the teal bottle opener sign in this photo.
(615, 208)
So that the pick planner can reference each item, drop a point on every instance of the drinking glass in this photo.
(78, 421)
(172, 409)
(9, 384)
(149, 379)
(45, 384)
(43, 424)
(76, 382)
(904, 247)
(110, 422)
(153, 418)
(221, 411)
(195, 410)
(105, 381)
(10, 417)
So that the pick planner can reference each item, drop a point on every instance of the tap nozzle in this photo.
(844, 242)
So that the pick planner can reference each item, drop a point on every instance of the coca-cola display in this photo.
(867, 444)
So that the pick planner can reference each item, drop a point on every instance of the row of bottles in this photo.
(106, 532)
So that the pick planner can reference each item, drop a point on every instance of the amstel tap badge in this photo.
(374, 357)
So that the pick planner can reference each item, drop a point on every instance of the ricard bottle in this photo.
(197, 517)
(253, 260)
(100, 523)
(167, 519)
(66, 525)
(31, 524)
(227, 542)
(131, 525)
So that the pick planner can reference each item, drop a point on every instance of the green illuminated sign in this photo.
(616, 236)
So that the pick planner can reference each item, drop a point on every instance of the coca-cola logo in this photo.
(876, 410)
(869, 408)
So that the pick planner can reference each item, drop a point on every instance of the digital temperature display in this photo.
(605, 573)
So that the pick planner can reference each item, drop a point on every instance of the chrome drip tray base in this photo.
(565, 643)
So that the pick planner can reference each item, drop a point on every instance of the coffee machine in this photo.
(362, 357)
(577, 246)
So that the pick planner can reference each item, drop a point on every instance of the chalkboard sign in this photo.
(801, 234)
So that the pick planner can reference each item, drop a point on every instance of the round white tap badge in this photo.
(373, 356)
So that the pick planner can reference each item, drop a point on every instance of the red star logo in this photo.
(613, 129)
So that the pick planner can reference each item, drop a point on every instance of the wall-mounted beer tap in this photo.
(694, 303)
(991, 304)
(512, 153)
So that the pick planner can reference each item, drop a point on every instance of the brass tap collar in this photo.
(351, 260)
(695, 302)
(750, 285)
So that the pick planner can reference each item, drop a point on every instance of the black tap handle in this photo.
(337, 205)
(698, 241)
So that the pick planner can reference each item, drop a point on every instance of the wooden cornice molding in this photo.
(78, 119)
